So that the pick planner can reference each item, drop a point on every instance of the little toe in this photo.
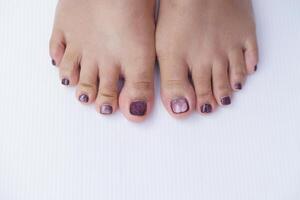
(177, 92)
(251, 55)
(221, 85)
(202, 79)
(107, 98)
(237, 69)
(88, 82)
(56, 47)
(69, 67)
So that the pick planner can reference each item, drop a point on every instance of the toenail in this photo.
(179, 105)
(238, 86)
(106, 109)
(225, 101)
(138, 108)
(53, 62)
(84, 98)
(65, 81)
(255, 68)
(206, 108)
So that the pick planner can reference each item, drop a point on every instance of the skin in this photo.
(96, 42)
(212, 40)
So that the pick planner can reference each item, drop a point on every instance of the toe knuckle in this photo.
(71, 57)
(204, 94)
(223, 89)
(87, 86)
(64, 71)
(239, 74)
(142, 85)
(109, 93)
(173, 83)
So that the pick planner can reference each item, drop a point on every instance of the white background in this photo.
(53, 148)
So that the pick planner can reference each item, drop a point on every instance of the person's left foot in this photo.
(213, 42)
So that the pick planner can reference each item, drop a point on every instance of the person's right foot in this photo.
(213, 42)
(106, 39)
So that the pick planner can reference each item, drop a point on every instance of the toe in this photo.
(107, 99)
(221, 85)
(177, 92)
(88, 82)
(202, 79)
(69, 67)
(251, 55)
(237, 69)
(136, 98)
(57, 47)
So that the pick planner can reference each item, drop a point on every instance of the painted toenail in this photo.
(255, 68)
(106, 109)
(84, 98)
(206, 108)
(65, 82)
(225, 101)
(180, 105)
(53, 62)
(238, 86)
(138, 108)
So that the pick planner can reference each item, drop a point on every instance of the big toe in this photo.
(136, 98)
(177, 92)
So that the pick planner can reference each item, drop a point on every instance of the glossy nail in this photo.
(225, 101)
(53, 62)
(84, 98)
(206, 108)
(106, 109)
(138, 108)
(180, 105)
(238, 86)
(65, 82)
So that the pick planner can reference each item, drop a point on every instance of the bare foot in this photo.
(95, 42)
(213, 42)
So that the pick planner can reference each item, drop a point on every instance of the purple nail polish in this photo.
(84, 98)
(180, 105)
(255, 68)
(238, 86)
(226, 101)
(65, 82)
(53, 62)
(106, 109)
(138, 108)
(206, 108)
